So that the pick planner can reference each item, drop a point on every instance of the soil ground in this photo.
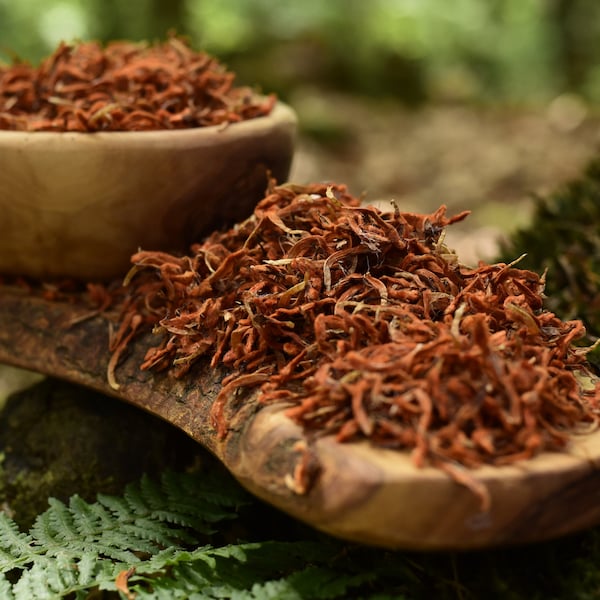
(489, 161)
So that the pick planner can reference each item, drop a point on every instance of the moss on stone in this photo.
(564, 238)
(58, 439)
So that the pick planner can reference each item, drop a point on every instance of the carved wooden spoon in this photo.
(353, 491)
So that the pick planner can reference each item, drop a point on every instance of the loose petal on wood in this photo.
(350, 490)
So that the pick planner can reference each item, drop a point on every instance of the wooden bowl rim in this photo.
(280, 114)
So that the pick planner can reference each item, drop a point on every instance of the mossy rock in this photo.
(564, 239)
(57, 439)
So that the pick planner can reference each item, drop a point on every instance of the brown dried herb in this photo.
(367, 326)
(124, 87)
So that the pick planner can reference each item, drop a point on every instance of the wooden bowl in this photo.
(80, 204)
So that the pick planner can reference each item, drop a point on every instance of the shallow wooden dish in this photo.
(80, 204)
(354, 491)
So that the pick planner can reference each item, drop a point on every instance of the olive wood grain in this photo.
(353, 491)
(87, 201)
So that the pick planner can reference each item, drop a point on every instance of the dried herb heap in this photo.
(123, 87)
(367, 326)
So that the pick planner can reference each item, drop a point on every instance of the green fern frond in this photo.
(80, 549)
(248, 570)
(76, 547)
(254, 571)
(327, 583)
(15, 547)
(6, 588)
(271, 590)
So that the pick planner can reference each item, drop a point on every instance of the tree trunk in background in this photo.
(167, 15)
(138, 19)
(578, 26)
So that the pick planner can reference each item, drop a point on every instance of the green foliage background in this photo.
(520, 51)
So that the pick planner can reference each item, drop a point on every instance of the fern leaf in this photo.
(31, 585)
(48, 535)
(217, 488)
(152, 493)
(52, 579)
(86, 520)
(46, 579)
(45, 534)
(89, 568)
(136, 502)
(245, 571)
(16, 546)
(157, 532)
(61, 521)
(117, 506)
(270, 590)
(325, 583)
(78, 547)
(6, 592)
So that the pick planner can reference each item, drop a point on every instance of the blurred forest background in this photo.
(476, 104)
(411, 50)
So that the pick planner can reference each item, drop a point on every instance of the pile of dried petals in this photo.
(367, 326)
(124, 87)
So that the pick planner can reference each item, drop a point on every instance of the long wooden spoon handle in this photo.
(62, 340)
(350, 490)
